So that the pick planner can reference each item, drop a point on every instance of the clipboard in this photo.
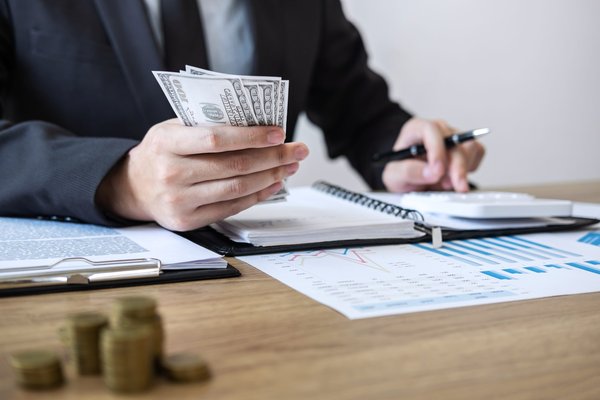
(102, 275)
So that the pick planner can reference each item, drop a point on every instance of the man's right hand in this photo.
(188, 177)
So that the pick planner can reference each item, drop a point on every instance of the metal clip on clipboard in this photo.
(92, 271)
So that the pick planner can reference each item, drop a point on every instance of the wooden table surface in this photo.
(264, 340)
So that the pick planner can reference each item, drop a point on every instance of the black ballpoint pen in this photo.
(418, 149)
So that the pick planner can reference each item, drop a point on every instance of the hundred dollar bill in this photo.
(203, 97)
(273, 91)
(206, 100)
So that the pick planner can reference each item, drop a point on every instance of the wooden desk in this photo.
(266, 341)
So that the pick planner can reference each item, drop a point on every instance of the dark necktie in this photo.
(183, 36)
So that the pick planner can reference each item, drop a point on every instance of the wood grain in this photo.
(263, 340)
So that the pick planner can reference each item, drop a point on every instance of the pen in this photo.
(418, 149)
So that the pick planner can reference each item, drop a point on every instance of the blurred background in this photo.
(527, 69)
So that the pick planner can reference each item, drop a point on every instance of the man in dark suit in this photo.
(87, 133)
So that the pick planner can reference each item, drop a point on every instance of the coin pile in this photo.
(139, 311)
(127, 347)
(81, 335)
(37, 369)
(127, 356)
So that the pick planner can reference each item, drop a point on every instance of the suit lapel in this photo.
(129, 31)
(269, 40)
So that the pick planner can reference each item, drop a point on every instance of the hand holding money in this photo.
(227, 154)
(188, 177)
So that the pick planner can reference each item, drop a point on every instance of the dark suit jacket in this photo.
(77, 92)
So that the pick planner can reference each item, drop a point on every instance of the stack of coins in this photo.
(127, 359)
(185, 367)
(81, 335)
(139, 311)
(37, 369)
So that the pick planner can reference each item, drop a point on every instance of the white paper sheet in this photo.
(377, 281)
(31, 242)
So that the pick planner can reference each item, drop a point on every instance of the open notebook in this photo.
(326, 216)
(319, 213)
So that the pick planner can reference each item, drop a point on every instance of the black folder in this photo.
(221, 244)
(167, 276)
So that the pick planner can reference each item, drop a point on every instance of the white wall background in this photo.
(527, 69)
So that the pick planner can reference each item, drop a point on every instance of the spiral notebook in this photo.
(328, 216)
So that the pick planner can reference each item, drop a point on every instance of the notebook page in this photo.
(308, 216)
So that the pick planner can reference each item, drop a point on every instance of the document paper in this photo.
(39, 243)
(387, 280)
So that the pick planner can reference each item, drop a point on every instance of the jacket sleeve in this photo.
(348, 100)
(44, 169)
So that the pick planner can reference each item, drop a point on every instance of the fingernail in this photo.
(300, 153)
(292, 168)
(276, 187)
(275, 136)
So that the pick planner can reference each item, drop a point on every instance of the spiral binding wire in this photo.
(367, 201)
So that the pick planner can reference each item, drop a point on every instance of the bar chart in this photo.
(525, 256)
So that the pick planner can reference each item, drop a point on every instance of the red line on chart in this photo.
(348, 255)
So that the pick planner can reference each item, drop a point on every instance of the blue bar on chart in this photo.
(513, 271)
(544, 246)
(461, 243)
(584, 267)
(515, 251)
(530, 246)
(592, 238)
(448, 246)
(482, 244)
(496, 275)
(536, 253)
(446, 254)
(555, 266)
(535, 269)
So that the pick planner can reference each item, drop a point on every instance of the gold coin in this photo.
(87, 320)
(127, 361)
(186, 367)
(135, 306)
(37, 369)
(81, 335)
(34, 359)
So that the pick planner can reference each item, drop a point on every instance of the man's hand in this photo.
(442, 170)
(188, 177)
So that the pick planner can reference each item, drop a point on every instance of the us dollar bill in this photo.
(206, 100)
(202, 97)
(273, 91)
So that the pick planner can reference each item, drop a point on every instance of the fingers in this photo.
(474, 153)
(457, 171)
(184, 140)
(207, 214)
(443, 169)
(433, 140)
(410, 175)
(237, 186)
(243, 162)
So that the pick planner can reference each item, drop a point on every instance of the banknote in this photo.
(200, 97)
(273, 91)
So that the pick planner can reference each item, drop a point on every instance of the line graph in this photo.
(357, 256)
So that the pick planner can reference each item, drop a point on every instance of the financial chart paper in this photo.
(387, 280)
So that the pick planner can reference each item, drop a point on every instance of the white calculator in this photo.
(486, 204)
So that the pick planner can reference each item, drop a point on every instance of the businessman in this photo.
(86, 132)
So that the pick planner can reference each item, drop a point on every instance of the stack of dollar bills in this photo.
(206, 98)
